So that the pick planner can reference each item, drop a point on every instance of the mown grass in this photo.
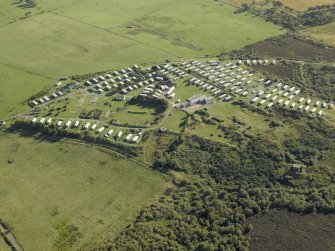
(134, 115)
(175, 121)
(61, 195)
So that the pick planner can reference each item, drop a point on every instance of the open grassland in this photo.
(198, 28)
(10, 12)
(325, 33)
(281, 230)
(16, 86)
(53, 45)
(4, 246)
(61, 196)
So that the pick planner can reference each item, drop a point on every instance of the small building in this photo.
(42, 120)
(87, 125)
(93, 127)
(119, 98)
(296, 168)
(100, 130)
(118, 135)
(76, 124)
(68, 124)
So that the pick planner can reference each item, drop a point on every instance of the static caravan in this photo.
(93, 127)
(87, 125)
(118, 135)
(76, 124)
(100, 130)
(68, 124)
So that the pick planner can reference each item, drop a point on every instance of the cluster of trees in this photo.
(318, 15)
(277, 13)
(160, 105)
(208, 208)
(24, 4)
(91, 114)
(321, 79)
(203, 214)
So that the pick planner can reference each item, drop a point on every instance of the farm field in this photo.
(12, 82)
(55, 46)
(325, 33)
(184, 28)
(69, 194)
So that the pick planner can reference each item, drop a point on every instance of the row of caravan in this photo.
(130, 138)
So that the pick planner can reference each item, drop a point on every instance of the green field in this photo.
(175, 120)
(61, 196)
(198, 28)
(16, 86)
(54, 39)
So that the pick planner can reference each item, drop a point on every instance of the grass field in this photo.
(175, 120)
(54, 46)
(135, 115)
(68, 195)
(4, 246)
(16, 86)
(325, 33)
(198, 28)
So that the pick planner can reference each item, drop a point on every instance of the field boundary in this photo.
(114, 33)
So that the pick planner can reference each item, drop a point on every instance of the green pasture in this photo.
(134, 115)
(53, 45)
(174, 120)
(197, 28)
(16, 86)
(63, 195)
